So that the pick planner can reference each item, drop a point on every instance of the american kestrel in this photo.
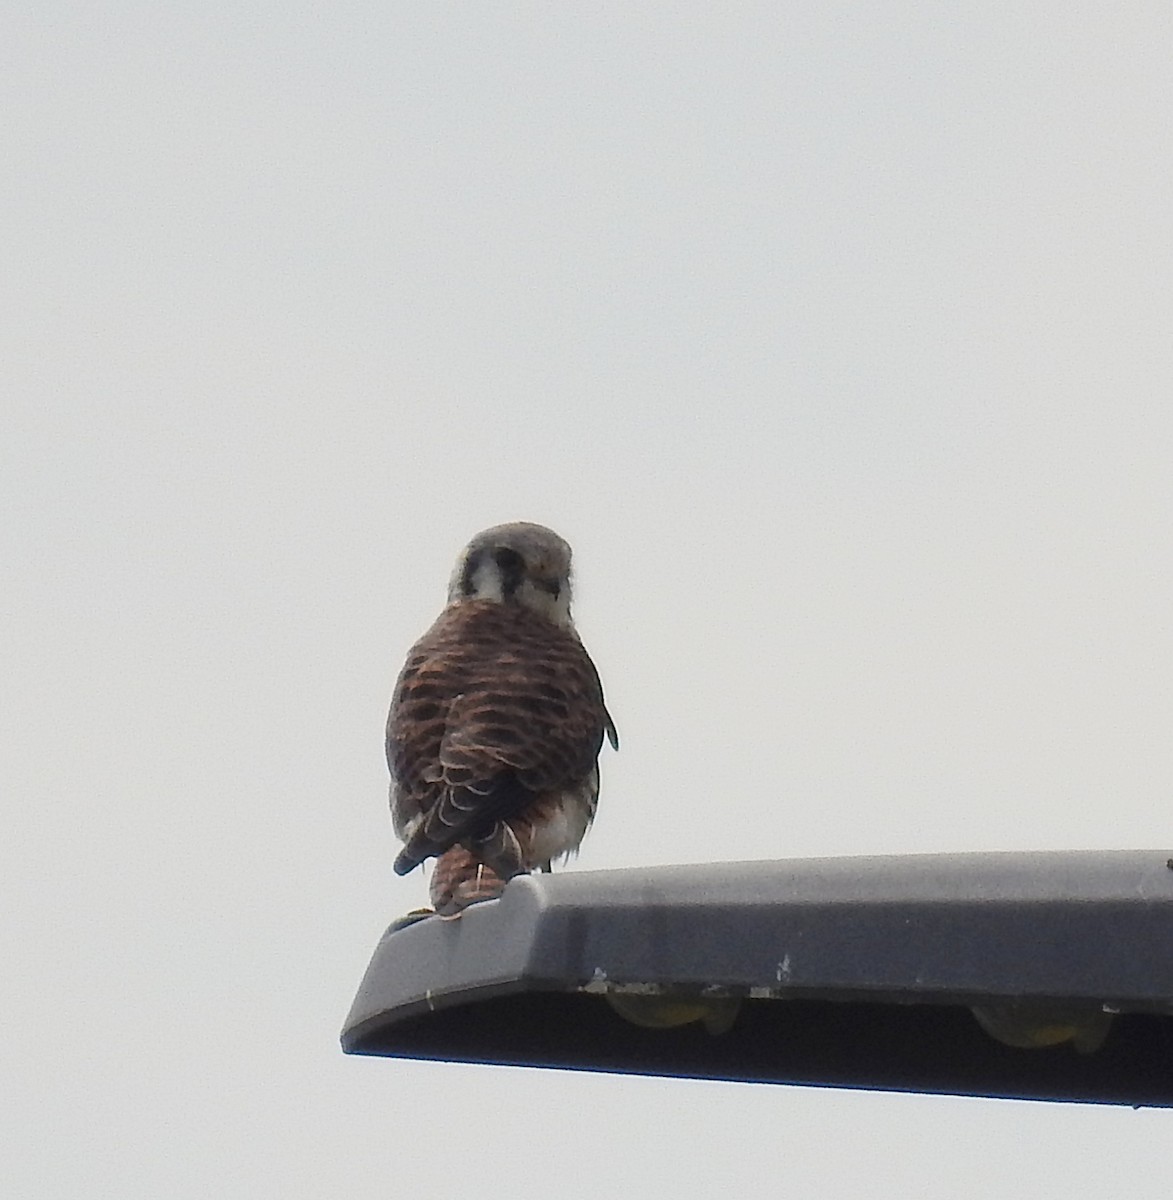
(496, 723)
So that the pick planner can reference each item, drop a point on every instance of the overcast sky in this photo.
(838, 340)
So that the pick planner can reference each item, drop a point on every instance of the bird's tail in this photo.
(474, 818)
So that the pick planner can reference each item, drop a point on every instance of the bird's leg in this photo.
(461, 879)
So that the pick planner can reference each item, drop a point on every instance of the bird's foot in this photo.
(411, 918)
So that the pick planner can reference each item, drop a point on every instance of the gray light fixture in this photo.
(1038, 976)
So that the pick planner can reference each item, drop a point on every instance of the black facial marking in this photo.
(468, 575)
(512, 568)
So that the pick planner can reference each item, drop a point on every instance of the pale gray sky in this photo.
(837, 338)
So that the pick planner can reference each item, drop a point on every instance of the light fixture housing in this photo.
(1042, 976)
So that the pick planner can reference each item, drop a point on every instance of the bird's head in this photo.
(516, 564)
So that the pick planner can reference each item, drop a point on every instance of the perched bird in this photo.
(496, 723)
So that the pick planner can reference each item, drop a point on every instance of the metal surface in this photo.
(1034, 975)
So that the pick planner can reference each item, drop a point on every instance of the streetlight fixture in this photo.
(1031, 975)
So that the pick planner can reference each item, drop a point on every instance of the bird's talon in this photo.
(416, 915)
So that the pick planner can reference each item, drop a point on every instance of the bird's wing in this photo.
(526, 719)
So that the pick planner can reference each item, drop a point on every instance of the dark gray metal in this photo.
(923, 972)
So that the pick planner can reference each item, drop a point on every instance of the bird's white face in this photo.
(516, 564)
